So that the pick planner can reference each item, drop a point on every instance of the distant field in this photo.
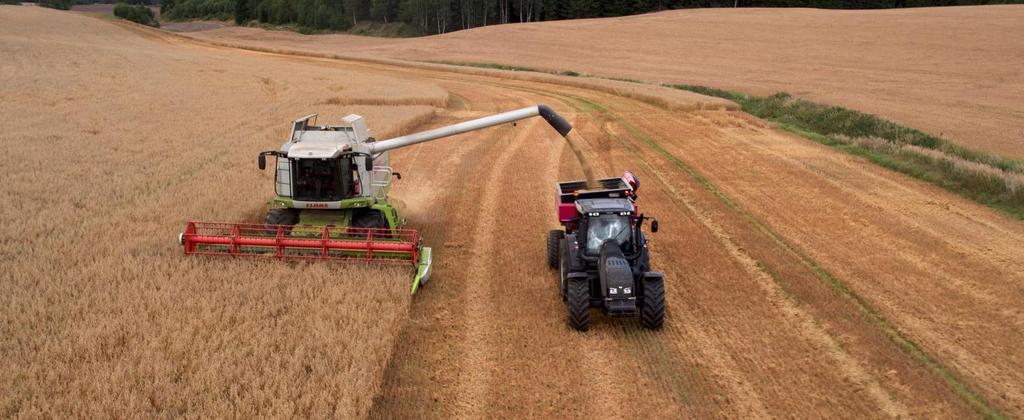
(953, 71)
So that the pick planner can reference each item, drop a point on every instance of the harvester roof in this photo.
(309, 141)
(323, 144)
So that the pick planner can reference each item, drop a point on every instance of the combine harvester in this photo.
(332, 197)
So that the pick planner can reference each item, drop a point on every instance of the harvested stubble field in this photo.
(802, 282)
(954, 71)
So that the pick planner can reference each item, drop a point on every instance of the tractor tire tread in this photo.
(652, 314)
(554, 239)
(578, 304)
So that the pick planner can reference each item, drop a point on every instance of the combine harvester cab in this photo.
(331, 200)
(601, 253)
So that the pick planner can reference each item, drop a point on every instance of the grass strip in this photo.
(496, 66)
(890, 145)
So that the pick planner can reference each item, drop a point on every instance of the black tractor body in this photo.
(602, 256)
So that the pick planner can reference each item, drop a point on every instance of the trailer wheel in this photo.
(554, 238)
(652, 314)
(578, 303)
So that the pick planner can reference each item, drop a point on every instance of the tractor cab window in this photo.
(322, 179)
(606, 227)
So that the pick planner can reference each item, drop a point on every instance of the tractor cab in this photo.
(601, 253)
(605, 220)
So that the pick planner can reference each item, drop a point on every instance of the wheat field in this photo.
(953, 71)
(801, 281)
(112, 142)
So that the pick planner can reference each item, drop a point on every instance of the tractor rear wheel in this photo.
(652, 314)
(578, 303)
(554, 239)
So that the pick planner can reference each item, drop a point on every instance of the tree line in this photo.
(440, 16)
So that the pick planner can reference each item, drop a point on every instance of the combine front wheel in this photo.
(280, 216)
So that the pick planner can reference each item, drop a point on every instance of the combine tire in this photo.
(279, 216)
(652, 314)
(554, 239)
(371, 219)
(578, 303)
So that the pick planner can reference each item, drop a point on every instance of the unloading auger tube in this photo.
(320, 226)
(556, 121)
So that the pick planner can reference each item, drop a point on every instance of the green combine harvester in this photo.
(331, 199)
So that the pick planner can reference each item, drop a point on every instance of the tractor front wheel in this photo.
(563, 270)
(652, 314)
(578, 303)
(554, 239)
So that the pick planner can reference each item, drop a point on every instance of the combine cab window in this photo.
(606, 227)
(322, 179)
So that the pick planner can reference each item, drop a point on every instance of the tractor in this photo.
(331, 202)
(601, 253)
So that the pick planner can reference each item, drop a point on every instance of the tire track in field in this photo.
(710, 216)
(485, 331)
(596, 363)
(808, 328)
(646, 356)
(480, 345)
(931, 381)
(682, 369)
(680, 376)
(803, 321)
(425, 373)
(617, 354)
(473, 397)
(499, 317)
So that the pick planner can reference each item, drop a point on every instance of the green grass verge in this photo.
(496, 66)
(841, 128)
